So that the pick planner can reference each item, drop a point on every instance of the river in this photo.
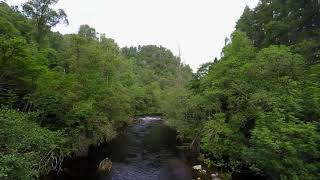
(145, 151)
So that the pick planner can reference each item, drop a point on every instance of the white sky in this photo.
(199, 27)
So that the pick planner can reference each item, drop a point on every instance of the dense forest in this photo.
(256, 108)
(59, 94)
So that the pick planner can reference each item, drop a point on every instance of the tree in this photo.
(44, 16)
(87, 32)
(287, 22)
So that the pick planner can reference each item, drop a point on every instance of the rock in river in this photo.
(197, 167)
(105, 166)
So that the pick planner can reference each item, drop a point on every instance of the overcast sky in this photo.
(199, 27)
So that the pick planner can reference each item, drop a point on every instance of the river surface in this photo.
(146, 151)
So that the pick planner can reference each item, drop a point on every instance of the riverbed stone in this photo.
(203, 171)
(215, 176)
(105, 166)
(197, 167)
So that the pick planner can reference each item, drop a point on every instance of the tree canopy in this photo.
(256, 108)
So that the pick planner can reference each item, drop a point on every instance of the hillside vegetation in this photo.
(257, 107)
(59, 94)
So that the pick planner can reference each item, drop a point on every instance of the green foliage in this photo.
(289, 22)
(43, 17)
(54, 97)
(27, 150)
(258, 110)
(64, 93)
(159, 76)
(17, 69)
(87, 32)
(13, 23)
(284, 148)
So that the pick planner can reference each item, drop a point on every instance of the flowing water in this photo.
(146, 151)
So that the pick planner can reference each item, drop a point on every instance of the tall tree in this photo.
(44, 16)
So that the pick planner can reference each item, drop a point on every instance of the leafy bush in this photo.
(26, 149)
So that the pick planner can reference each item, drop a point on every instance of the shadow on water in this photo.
(146, 151)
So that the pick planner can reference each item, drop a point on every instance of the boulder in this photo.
(105, 166)
(197, 167)
(215, 176)
(203, 171)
